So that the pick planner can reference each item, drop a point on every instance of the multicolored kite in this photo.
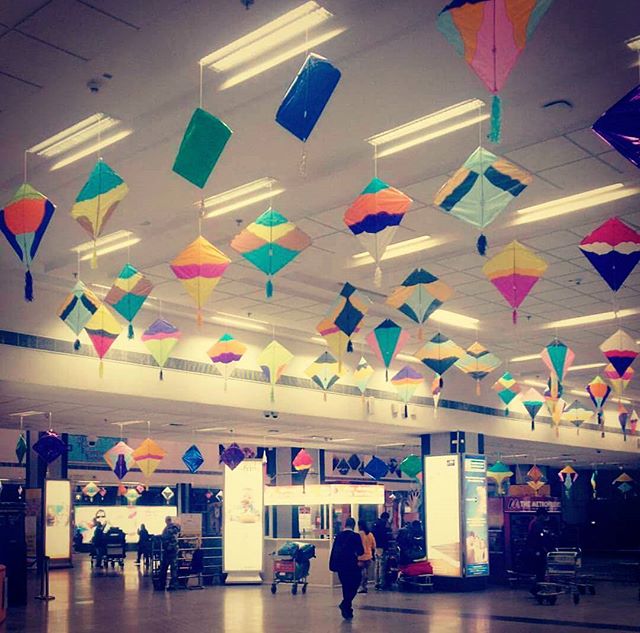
(120, 452)
(200, 267)
(129, 291)
(481, 189)
(623, 418)
(507, 389)
(97, 201)
(554, 403)
(374, 217)
(599, 391)
(558, 358)
(386, 340)
(568, 477)
(633, 422)
(148, 456)
(270, 243)
(406, 381)
(77, 308)
(226, 350)
(620, 350)
(91, 490)
(478, 362)
(160, 338)
(535, 479)
(324, 372)
(532, 400)
(103, 329)
(514, 271)
(499, 472)
(613, 249)
(419, 296)
(24, 221)
(491, 35)
(272, 360)
(624, 483)
(348, 311)
(362, 374)
(439, 354)
(618, 383)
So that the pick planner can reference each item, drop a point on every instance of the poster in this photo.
(33, 509)
(57, 509)
(442, 513)
(476, 533)
(243, 530)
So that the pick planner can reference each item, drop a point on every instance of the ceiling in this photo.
(396, 67)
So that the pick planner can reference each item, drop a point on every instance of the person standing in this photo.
(364, 560)
(382, 534)
(144, 541)
(538, 542)
(169, 539)
(347, 547)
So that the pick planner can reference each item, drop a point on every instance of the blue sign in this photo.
(476, 532)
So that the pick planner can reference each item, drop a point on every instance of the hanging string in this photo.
(375, 161)
(94, 257)
(481, 243)
(269, 283)
(201, 84)
(25, 166)
(302, 167)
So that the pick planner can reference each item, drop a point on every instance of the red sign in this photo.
(531, 504)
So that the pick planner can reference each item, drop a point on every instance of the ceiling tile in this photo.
(547, 154)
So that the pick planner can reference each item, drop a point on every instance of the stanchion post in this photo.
(44, 582)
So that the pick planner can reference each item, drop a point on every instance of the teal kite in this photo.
(129, 291)
(77, 308)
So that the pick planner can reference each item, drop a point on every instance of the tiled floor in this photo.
(126, 603)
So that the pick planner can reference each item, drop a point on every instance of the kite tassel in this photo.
(441, 382)
(477, 387)
(269, 288)
(349, 346)
(481, 244)
(533, 425)
(28, 286)
(161, 375)
(386, 374)
(377, 277)
(506, 412)
(130, 333)
(199, 317)
(496, 120)
(514, 317)
(406, 411)
(324, 396)
(101, 369)
(76, 344)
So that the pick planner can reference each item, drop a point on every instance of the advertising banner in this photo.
(57, 509)
(476, 533)
(324, 494)
(531, 504)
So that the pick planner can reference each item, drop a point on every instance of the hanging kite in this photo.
(132, 496)
(376, 468)
(558, 358)
(374, 217)
(439, 354)
(97, 201)
(500, 473)
(23, 221)
(554, 403)
(599, 391)
(491, 35)
(167, 494)
(90, 490)
(148, 456)
(419, 296)
(623, 418)
(49, 446)
(594, 483)
(129, 291)
(613, 249)
(532, 400)
(568, 477)
(406, 381)
(535, 479)
(577, 413)
(203, 142)
(411, 466)
(103, 329)
(507, 389)
(624, 483)
(160, 338)
(386, 340)
(362, 374)
(618, 383)
(232, 456)
(514, 271)
(77, 308)
(120, 459)
(192, 458)
(481, 189)
(302, 464)
(272, 360)
(226, 350)
(270, 243)
(620, 350)
(478, 362)
(633, 422)
(324, 372)
(21, 447)
(200, 267)
(619, 126)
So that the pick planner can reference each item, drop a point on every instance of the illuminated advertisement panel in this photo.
(476, 533)
(442, 513)
(318, 494)
(57, 509)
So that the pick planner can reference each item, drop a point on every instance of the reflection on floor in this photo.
(126, 603)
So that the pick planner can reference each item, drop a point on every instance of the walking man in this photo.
(346, 549)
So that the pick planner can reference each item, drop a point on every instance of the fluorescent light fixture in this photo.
(245, 325)
(407, 358)
(111, 248)
(129, 422)
(535, 383)
(634, 43)
(211, 429)
(406, 247)
(318, 339)
(240, 197)
(522, 359)
(587, 366)
(92, 149)
(341, 439)
(453, 318)
(577, 202)
(588, 319)
(409, 134)
(391, 444)
(26, 414)
(116, 236)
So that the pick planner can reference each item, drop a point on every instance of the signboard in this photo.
(57, 533)
(324, 494)
(190, 524)
(531, 504)
(442, 513)
(243, 530)
(476, 533)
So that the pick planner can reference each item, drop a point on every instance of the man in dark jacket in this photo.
(382, 534)
(344, 560)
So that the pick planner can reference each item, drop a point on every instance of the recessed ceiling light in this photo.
(242, 196)
(588, 319)
(406, 247)
(521, 359)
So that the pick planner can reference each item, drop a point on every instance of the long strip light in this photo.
(577, 202)
(242, 324)
(522, 359)
(406, 247)
(91, 149)
(106, 244)
(586, 366)
(409, 134)
(588, 319)
(455, 319)
(242, 196)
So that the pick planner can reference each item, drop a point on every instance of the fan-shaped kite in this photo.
(270, 243)
(613, 249)
(478, 362)
(307, 96)
(148, 456)
(507, 389)
(386, 340)
(231, 456)
(192, 458)
(568, 476)
(77, 308)
(90, 490)
(514, 271)
(577, 413)
(49, 446)
(103, 329)
(599, 391)
(532, 400)
(129, 291)
(439, 354)
(273, 359)
(419, 296)
(491, 35)
(324, 372)
(160, 338)
(347, 313)
(619, 126)
(362, 374)
(97, 201)
(200, 267)
(23, 221)
(620, 350)
(535, 479)
(374, 217)
(226, 350)
(406, 381)
(203, 142)
(499, 472)
(558, 358)
(481, 189)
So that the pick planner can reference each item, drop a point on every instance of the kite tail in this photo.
(481, 244)
(324, 396)
(557, 430)
(496, 120)
(514, 317)
(377, 277)
(578, 431)
(101, 369)
(601, 422)
(506, 412)
(406, 411)
(199, 317)
(386, 374)
(349, 346)
(624, 434)
(76, 344)
(269, 288)
(533, 425)
(477, 387)
(28, 286)
(161, 374)
(130, 333)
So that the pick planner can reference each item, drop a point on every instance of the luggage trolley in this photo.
(563, 567)
(291, 564)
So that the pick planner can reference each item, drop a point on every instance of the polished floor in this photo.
(126, 603)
